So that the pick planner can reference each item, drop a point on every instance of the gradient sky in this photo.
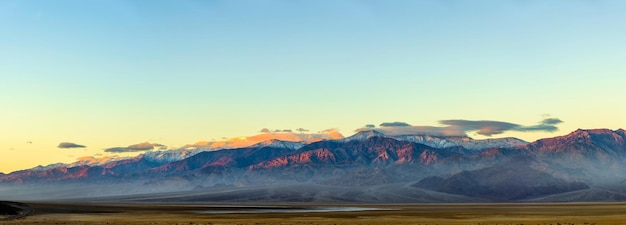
(115, 73)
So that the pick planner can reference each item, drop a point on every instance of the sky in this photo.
(111, 73)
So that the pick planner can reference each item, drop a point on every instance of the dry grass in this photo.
(431, 214)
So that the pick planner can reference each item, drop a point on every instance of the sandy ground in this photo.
(424, 214)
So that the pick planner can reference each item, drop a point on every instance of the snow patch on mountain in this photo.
(443, 142)
(280, 144)
(170, 155)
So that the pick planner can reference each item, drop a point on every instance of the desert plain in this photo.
(330, 214)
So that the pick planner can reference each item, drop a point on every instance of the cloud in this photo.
(145, 146)
(119, 149)
(417, 130)
(265, 130)
(69, 145)
(551, 121)
(483, 127)
(548, 125)
(330, 131)
(367, 127)
(488, 127)
(245, 141)
(395, 124)
(462, 127)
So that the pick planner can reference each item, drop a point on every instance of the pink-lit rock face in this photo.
(371, 160)
(429, 157)
(582, 140)
(315, 156)
(405, 155)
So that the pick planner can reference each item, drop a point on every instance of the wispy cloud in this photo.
(284, 135)
(265, 130)
(395, 124)
(462, 127)
(489, 127)
(551, 121)
(70, 145)
(145, 146)
(416, 130)
(119, 149)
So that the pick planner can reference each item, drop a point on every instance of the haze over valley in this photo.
(312, 112)
(368, 167)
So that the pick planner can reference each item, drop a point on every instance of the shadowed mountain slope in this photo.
(509, 171)
(515, 179)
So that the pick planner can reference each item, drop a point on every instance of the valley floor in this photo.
(431, 214)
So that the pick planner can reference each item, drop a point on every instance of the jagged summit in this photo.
(557, 165)
(587, 135)
(170, 155)
(364, 135)
(593, 131)
(598, 145)
(465, 142)
(443, 142)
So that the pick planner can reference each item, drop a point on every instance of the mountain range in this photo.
(585, 165)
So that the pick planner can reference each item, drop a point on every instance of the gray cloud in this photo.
(118, 149)
(367, 127)
(548, 125)
(462, 127)
(552, 121)
(395, 124)
(69, 145)
(282, 131)
(488, 127)
(483, 127)
(265, 130)
(417, 130)
(145, 146)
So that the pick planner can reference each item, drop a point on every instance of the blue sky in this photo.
(115, 73)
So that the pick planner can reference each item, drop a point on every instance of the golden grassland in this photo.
(424, 214)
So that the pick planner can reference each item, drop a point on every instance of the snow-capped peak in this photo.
(364, 135)
(442, 142)
(275, 143)
(170, 155)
